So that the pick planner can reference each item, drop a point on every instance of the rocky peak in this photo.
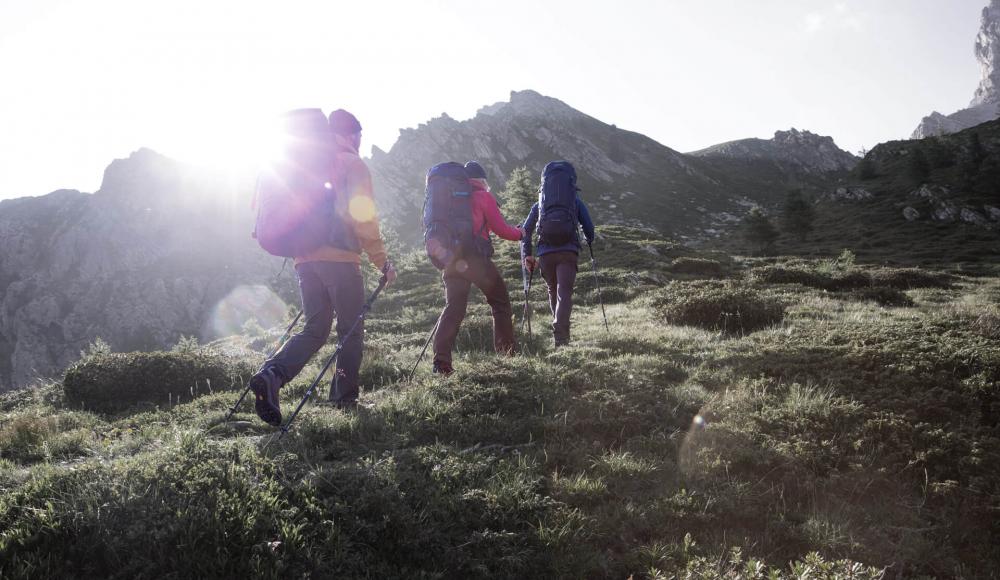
(988, 55)
(801, 150)
(143, 176)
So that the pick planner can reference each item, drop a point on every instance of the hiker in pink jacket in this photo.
(461, 274)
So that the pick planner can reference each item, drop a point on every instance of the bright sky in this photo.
(87, 81)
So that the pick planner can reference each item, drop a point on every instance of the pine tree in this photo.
(518, 195)
(758, 230)
(797, 215)
(866, 167)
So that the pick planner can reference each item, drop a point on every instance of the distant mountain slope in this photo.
(930, 201)
(145, 259)
(794, 150)
(627, 178)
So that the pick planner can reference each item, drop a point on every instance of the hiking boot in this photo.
(265, 385)
(442, 368)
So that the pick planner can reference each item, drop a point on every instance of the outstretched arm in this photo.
(529, 231)
(495, 221)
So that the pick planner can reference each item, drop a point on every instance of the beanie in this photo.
(475, 170)
(344, 123)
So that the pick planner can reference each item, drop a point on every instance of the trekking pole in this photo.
(526, 317)
(277, 347)
(434, 330)
(340, 346)
(597, 282)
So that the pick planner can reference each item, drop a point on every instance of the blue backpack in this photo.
(557, 213)
(448, 220)
(296, 202)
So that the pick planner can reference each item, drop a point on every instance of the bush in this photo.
(696, 266)
(854, 279)
(728, 307)
(881, 295)
(907, 278)
(115, 381)
(780, 275)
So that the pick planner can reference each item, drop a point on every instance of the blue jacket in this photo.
(532, 220)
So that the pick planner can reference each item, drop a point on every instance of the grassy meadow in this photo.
(743, 418)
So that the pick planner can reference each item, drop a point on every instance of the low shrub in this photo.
(696, 266)
(907, 278)
(881, 295)
(112, 382)
(853, 278)
(729, 308)
(781, 275)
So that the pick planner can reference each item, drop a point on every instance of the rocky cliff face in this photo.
(985, 105)
(988, 54)
(627, 178)
(150, 256)
(799, 151)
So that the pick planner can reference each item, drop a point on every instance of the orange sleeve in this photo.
(361, 207)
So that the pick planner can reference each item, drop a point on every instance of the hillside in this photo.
(933, 201)
(840, 429)
(792, 151)
(626, 177)
(151, 256)
(163, 249)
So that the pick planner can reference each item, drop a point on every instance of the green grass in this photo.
(843, 438)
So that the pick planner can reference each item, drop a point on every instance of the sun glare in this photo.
(235, 145)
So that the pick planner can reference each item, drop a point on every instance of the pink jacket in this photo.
(486, 217)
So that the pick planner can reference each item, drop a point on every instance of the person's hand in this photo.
(523, 233)
(529, 263)
(390, 273)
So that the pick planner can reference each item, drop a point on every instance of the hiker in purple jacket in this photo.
(558, 261)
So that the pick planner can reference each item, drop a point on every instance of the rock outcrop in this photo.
(151, 256)
(626, 178)
(985, 105)
(795, 150)
(531, 130)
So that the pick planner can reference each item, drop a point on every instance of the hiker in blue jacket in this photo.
(556, 215)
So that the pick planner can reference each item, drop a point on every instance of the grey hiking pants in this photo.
(327, 289)
(559, 272)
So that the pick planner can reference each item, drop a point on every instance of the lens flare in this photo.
(362, 208)
(241, 305)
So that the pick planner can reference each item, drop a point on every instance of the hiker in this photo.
(460, 207)
(330, 281)
(557, 214)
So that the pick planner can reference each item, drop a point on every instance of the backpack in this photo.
(448, 221)
(295, 201)
(557, 212)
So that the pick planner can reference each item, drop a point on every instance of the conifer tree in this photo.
(518, 195)
(797, 215)
(758, 230)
